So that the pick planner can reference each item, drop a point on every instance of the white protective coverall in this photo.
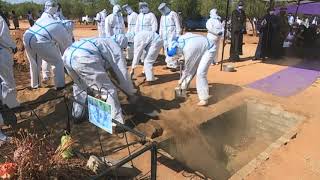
(47, 40)
(87, 62)
(8, 92)
(151, 43)
(132, 19)
(46, 67)
(100, 18)
(215, 32)
(114, 23)
(170, 29)
(198, 52)
(146, 20)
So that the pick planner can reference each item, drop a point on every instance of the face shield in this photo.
(164, 9)
(50, 7)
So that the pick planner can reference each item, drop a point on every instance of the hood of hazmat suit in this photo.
(164, 9)
(117, 10)
(50, 7)
(144, 7)
(127, 8)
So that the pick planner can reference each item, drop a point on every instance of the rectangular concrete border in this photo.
(256, 162)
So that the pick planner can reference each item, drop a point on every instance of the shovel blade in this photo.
(180, 93)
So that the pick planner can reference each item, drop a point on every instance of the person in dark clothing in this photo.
(269, 45)
(284, 28)
(30, 18)
(15, 20)
(238, 21)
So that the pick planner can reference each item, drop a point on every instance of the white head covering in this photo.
(144, 7)
(127, 8)
(50, 7)
(213, 14)
(116, 9)
(164, 9)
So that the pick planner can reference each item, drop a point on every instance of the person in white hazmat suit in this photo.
(215, 31)
(100, 18)
(146, 20)
(87, 62)
(132, 19)
(151, 43)
(114, 23)
(170, 29)
(8, 92)
(46, 40)
(46, 67)
(197, 51)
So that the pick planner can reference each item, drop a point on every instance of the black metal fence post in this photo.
(154, 151)
(225, 33)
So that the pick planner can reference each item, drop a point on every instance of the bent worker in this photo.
(169, 29)
(100, 18)
(197, 52)
(114, 23)
(87, 62)
(146, 20)
(151, 43)
(132, 19)
(8, 93)
(47, 40)
(46, 67)
(215, 32)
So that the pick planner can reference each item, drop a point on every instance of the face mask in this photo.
(271, 12)
(240, 7)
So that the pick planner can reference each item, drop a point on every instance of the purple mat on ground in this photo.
(289, 81)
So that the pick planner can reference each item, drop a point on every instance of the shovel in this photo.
(179, 92)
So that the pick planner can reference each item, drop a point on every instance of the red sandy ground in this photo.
(299, 159)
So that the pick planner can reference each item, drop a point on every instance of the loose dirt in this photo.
(297, 160)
